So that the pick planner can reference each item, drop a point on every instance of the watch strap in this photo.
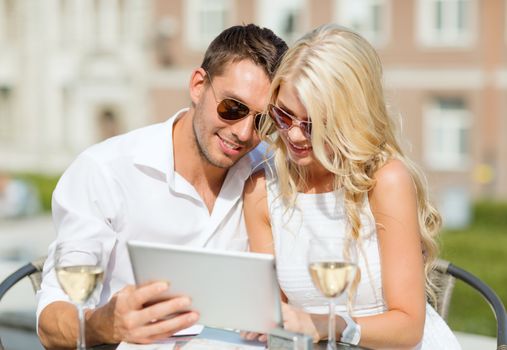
(352, 332)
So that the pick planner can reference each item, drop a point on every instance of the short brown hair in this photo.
(250, 42)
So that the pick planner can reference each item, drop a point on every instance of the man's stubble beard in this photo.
(199, 129)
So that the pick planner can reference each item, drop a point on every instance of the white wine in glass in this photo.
(79, 270)
(332, 278)
(332, 263)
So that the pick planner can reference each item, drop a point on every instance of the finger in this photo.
(147, 283)
(164, 296)
(165, 328)
(257, 336)
(243, 334)
(145, 293)
(127, 289)
(251, 335)
(164, 309)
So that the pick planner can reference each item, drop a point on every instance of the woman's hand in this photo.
(299, 321)
(254, 336)
(294, 320)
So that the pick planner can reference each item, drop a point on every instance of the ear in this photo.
(197, 85)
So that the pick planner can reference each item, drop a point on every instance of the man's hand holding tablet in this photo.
(137, 324)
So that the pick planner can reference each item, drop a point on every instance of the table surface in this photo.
(233, 337)
(22, 339)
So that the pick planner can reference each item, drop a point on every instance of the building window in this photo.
(447, 134)
(108, 123)
(284, 17)
(105, 25)
(446, 22)
(165, 33)
(205, 20)
(367, 17)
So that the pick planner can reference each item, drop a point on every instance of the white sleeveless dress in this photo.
(319, 215)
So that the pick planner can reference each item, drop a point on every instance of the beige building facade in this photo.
(445, 64)
(73, 72)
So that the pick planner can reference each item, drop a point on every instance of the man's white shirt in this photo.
(126, 188)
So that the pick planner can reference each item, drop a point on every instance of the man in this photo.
(178, 182)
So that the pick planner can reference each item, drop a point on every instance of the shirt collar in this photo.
(156, 152)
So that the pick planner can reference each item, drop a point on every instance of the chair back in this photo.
(36, 276)
(444, 287)
(21, 320)
(33, 270)
(444, 276)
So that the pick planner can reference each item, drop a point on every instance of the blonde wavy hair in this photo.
(338, 78)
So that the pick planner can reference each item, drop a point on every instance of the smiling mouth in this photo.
(300, 148)
(230, 145)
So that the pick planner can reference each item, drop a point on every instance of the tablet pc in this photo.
(236, 290)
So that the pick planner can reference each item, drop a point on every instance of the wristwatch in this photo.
(352, 332)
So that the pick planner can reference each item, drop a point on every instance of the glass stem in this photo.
(331, 332)
(81, 342)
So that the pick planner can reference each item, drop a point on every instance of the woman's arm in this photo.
(256, 213)
(260, 238)
(394, 206)
(258, 225)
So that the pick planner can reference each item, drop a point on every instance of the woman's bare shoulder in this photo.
(393, 173)
(256, 183)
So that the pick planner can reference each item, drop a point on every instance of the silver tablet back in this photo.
(237, 290)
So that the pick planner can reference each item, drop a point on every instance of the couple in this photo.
(187, 180)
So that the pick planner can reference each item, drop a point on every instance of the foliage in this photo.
(490, 213)
(482, 250)
(44, 184)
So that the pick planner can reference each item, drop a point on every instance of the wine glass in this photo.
(79, 270)
(332, 263)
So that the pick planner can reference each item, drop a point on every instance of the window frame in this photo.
(448, 37)
(193, 27)
(267, 10)
(449, 122)
(377, 39)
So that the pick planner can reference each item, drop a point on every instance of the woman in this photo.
(338, 169)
